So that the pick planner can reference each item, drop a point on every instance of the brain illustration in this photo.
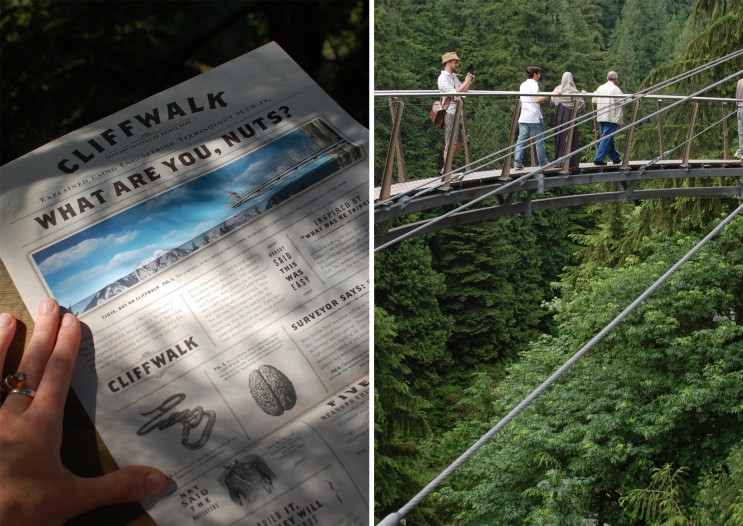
(272, 390)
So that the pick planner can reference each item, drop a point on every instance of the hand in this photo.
(36, 488)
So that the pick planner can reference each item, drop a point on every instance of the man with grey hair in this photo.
(609, 117)
(739, 96)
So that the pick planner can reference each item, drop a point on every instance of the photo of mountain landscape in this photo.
(138, 243)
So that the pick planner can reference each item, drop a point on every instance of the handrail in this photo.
(437, 93)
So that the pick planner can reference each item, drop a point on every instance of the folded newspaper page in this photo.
(213, 240)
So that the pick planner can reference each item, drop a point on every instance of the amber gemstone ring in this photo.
(16, 383)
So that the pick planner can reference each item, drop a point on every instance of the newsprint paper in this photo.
(213, 240)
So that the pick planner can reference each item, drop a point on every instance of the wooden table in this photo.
(83, 451)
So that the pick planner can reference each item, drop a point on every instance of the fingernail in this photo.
(5, 320)
(68, 319)
(46, 306)
(155, 483)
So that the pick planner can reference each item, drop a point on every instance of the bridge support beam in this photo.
(661, 136)
(690, 134)
(385, 189)
(450, 146)
(506, 172)
(630, 133)
(725, 139)
(569, 139)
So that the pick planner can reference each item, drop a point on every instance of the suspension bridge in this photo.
(672, 173)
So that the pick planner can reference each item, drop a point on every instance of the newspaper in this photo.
(213, 240)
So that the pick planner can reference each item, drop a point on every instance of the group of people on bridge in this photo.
(609, 114)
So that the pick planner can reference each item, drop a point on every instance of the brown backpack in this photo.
(438, 112)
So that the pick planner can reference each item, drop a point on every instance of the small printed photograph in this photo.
(247, 479)
(95, 265)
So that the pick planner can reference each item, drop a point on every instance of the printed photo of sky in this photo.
(90, 260)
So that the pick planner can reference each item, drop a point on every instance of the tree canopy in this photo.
(66, 63)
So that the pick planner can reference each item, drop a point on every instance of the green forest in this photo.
(646, 429)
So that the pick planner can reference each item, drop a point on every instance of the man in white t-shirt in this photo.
(531, 123)
(449, 83)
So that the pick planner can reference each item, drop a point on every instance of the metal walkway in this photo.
(516, 197)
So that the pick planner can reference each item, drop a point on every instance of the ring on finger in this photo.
(13, 381)
(24, 391)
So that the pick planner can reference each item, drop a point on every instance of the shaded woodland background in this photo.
(65, 64)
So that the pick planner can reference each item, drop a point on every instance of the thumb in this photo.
(127, 484)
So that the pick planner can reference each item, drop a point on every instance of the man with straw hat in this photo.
(449, 83)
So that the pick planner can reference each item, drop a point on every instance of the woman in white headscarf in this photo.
(563, 114)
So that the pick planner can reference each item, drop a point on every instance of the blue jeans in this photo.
(526, 130)
(606, 146)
